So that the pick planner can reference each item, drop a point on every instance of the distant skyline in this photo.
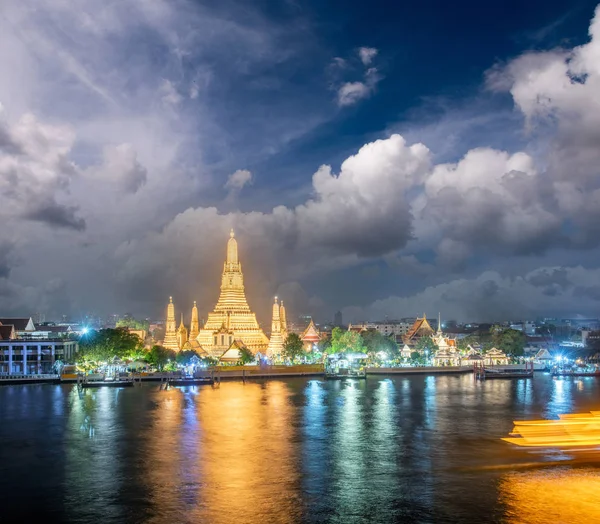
(378, 159)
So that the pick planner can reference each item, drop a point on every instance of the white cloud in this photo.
(367, 54)
(237, 180)
(351, 92)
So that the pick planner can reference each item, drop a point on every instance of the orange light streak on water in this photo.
(571, 430)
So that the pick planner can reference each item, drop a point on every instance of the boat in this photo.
(571, 431)
(576, 373)
(191, 381)
(106, 384)
(341, 376)
(496, 373)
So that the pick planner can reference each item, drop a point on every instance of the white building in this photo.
(23, 352)
(32, 357)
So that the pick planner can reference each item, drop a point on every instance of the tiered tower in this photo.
(282, 318)
(170, 341)
(182, 334)
(194, 325)
(276, 342)
(232, 318)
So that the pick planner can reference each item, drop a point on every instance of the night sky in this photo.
(382, 158)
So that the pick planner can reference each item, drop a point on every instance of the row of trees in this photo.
(110, 345)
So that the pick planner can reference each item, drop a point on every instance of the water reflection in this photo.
(248, 461)
(551, 495)
(424, 449)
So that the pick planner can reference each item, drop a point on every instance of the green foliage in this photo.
(418, 359)
(324, 345)
(426, 343)
(159, 357)
(293, 347)
(343, 341)
(375, 342)
(184, 357)
(511, 341)
(469, 340)
(132, 323)
(107, 345)
(246, 356)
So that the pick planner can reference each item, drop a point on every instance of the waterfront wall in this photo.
(225, 372)
(444, 370)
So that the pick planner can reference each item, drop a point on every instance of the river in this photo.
(409, 449)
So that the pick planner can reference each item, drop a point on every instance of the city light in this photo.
(571, 430)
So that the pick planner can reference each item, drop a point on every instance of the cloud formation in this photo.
(237, 180)
(367, 54)
(153, 140)
(349, 93)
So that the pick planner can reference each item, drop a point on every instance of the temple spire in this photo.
(232, 250)
(283, 319)
(439, 330)
(170, 340)
(276, 341)
(194, 324)
(182, 334)
(231, 311)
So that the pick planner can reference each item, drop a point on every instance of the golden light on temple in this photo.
(551, 495)
(232, 318)
(571, 430)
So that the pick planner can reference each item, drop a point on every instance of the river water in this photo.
(414, 449)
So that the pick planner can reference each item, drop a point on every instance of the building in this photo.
(170, 340)
(275, 347)
(232, 324)
(23, 326)
(420, 328)
(495, 357)
(310, 337)
(337, 319)
(447, 353)
(23, 351)
(232, 318)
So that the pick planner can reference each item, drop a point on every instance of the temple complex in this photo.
(447, 353)
(232, 318)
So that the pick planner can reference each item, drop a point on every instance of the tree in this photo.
(132, 323)
(324, 345)
(293, 347)
(107, 344)
(184, 357)
(246, 356)
(425, 344)
(345, 341)
(511, 341)
(159, 356)
(375, 342)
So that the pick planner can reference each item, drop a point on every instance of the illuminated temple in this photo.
(232, 320)
(232, 324)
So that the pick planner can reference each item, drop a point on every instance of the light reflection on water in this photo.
(421, 449)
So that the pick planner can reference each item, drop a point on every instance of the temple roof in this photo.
(311, 334)
(7, 332)
(21, 324)
(420, 328)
